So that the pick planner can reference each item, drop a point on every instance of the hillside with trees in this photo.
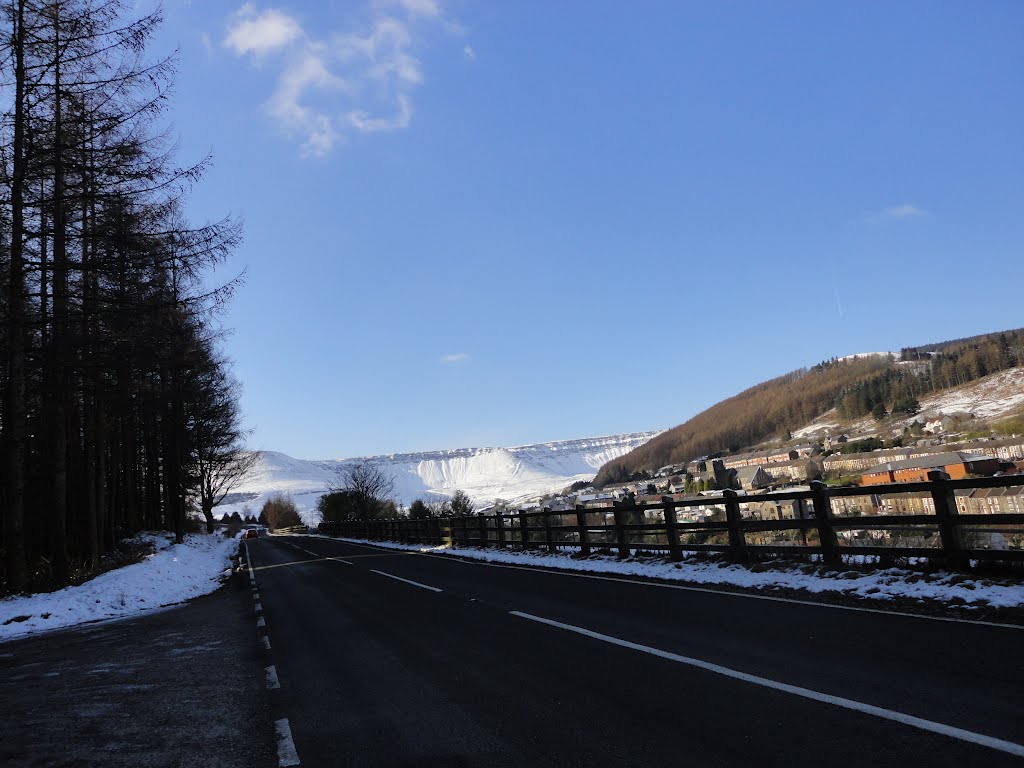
(855, 387)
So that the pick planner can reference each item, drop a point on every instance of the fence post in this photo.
(444, 531)
(823, 517)
(549, 534)
(482, 525)
(672, 533)
(947, 513)
(737, 544)
(499, 528)
(581, 525)
(620, 530)
(524, 533)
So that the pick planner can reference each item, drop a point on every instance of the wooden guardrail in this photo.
(292, 529)
(736, 524)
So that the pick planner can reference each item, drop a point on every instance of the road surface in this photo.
(385, 657)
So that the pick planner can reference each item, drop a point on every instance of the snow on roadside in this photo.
(172, 574)
(884, 584)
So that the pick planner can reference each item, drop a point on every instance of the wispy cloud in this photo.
(469, 53)
(904, 211)
(458, 357)
(337, 82)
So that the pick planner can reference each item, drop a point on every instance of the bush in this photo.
(461, 505)
(280, 512)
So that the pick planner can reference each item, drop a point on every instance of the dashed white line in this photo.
(260, 622)
(286, 752)
(259, 607)
(266, 642)
(682, 587)
(886, 714)
(271, 675)
(407, 581)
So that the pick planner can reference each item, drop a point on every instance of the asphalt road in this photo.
(390, 658)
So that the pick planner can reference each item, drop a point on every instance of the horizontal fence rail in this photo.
(933, 519)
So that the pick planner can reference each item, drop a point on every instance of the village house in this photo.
(982, 501)
(799, 471)
(753, 478)
(957, 465)
(850, 463)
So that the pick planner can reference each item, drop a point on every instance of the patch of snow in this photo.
(172, 574)
(880, 585)
(991, 397)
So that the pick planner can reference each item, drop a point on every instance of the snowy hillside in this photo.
(485, 474)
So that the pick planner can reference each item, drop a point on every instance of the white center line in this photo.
(272, 681)
(339, 560)
(260, 622)
(286, 752)
(266, 642)
(259, 607)
(407, 581)
(857, 706)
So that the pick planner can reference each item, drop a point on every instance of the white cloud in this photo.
(427, 8)
(469, 53)
(353, 80)
(260, 32)
(904, 211)
(305, 72)
(456, 358)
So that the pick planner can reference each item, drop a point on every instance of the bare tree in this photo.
(369, 488)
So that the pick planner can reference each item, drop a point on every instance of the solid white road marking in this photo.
(286, 752)
(407, 581)
(272, 681)
(266, 642)
(886, 714)
(260, 622)
(682, 587)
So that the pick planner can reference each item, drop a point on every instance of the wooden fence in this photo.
(803, 522)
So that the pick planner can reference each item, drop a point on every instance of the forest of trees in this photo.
(856, 387)
(939, 366)
(117, 407)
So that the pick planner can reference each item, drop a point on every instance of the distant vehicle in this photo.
(252, 533)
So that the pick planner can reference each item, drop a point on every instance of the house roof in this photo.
(932, 461)
(748, 473)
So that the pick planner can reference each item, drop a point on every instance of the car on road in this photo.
(251, 533)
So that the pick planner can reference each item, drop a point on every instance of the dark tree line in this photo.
(117, 409)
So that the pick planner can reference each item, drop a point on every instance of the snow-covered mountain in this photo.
(486, 474)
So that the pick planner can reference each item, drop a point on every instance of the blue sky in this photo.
(478, 223)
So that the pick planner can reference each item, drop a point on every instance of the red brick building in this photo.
(957, 465)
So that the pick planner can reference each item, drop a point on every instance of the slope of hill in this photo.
(766, 410)
(835, 393)
(485, 474)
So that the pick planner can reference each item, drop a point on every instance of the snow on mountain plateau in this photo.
(514, 474)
